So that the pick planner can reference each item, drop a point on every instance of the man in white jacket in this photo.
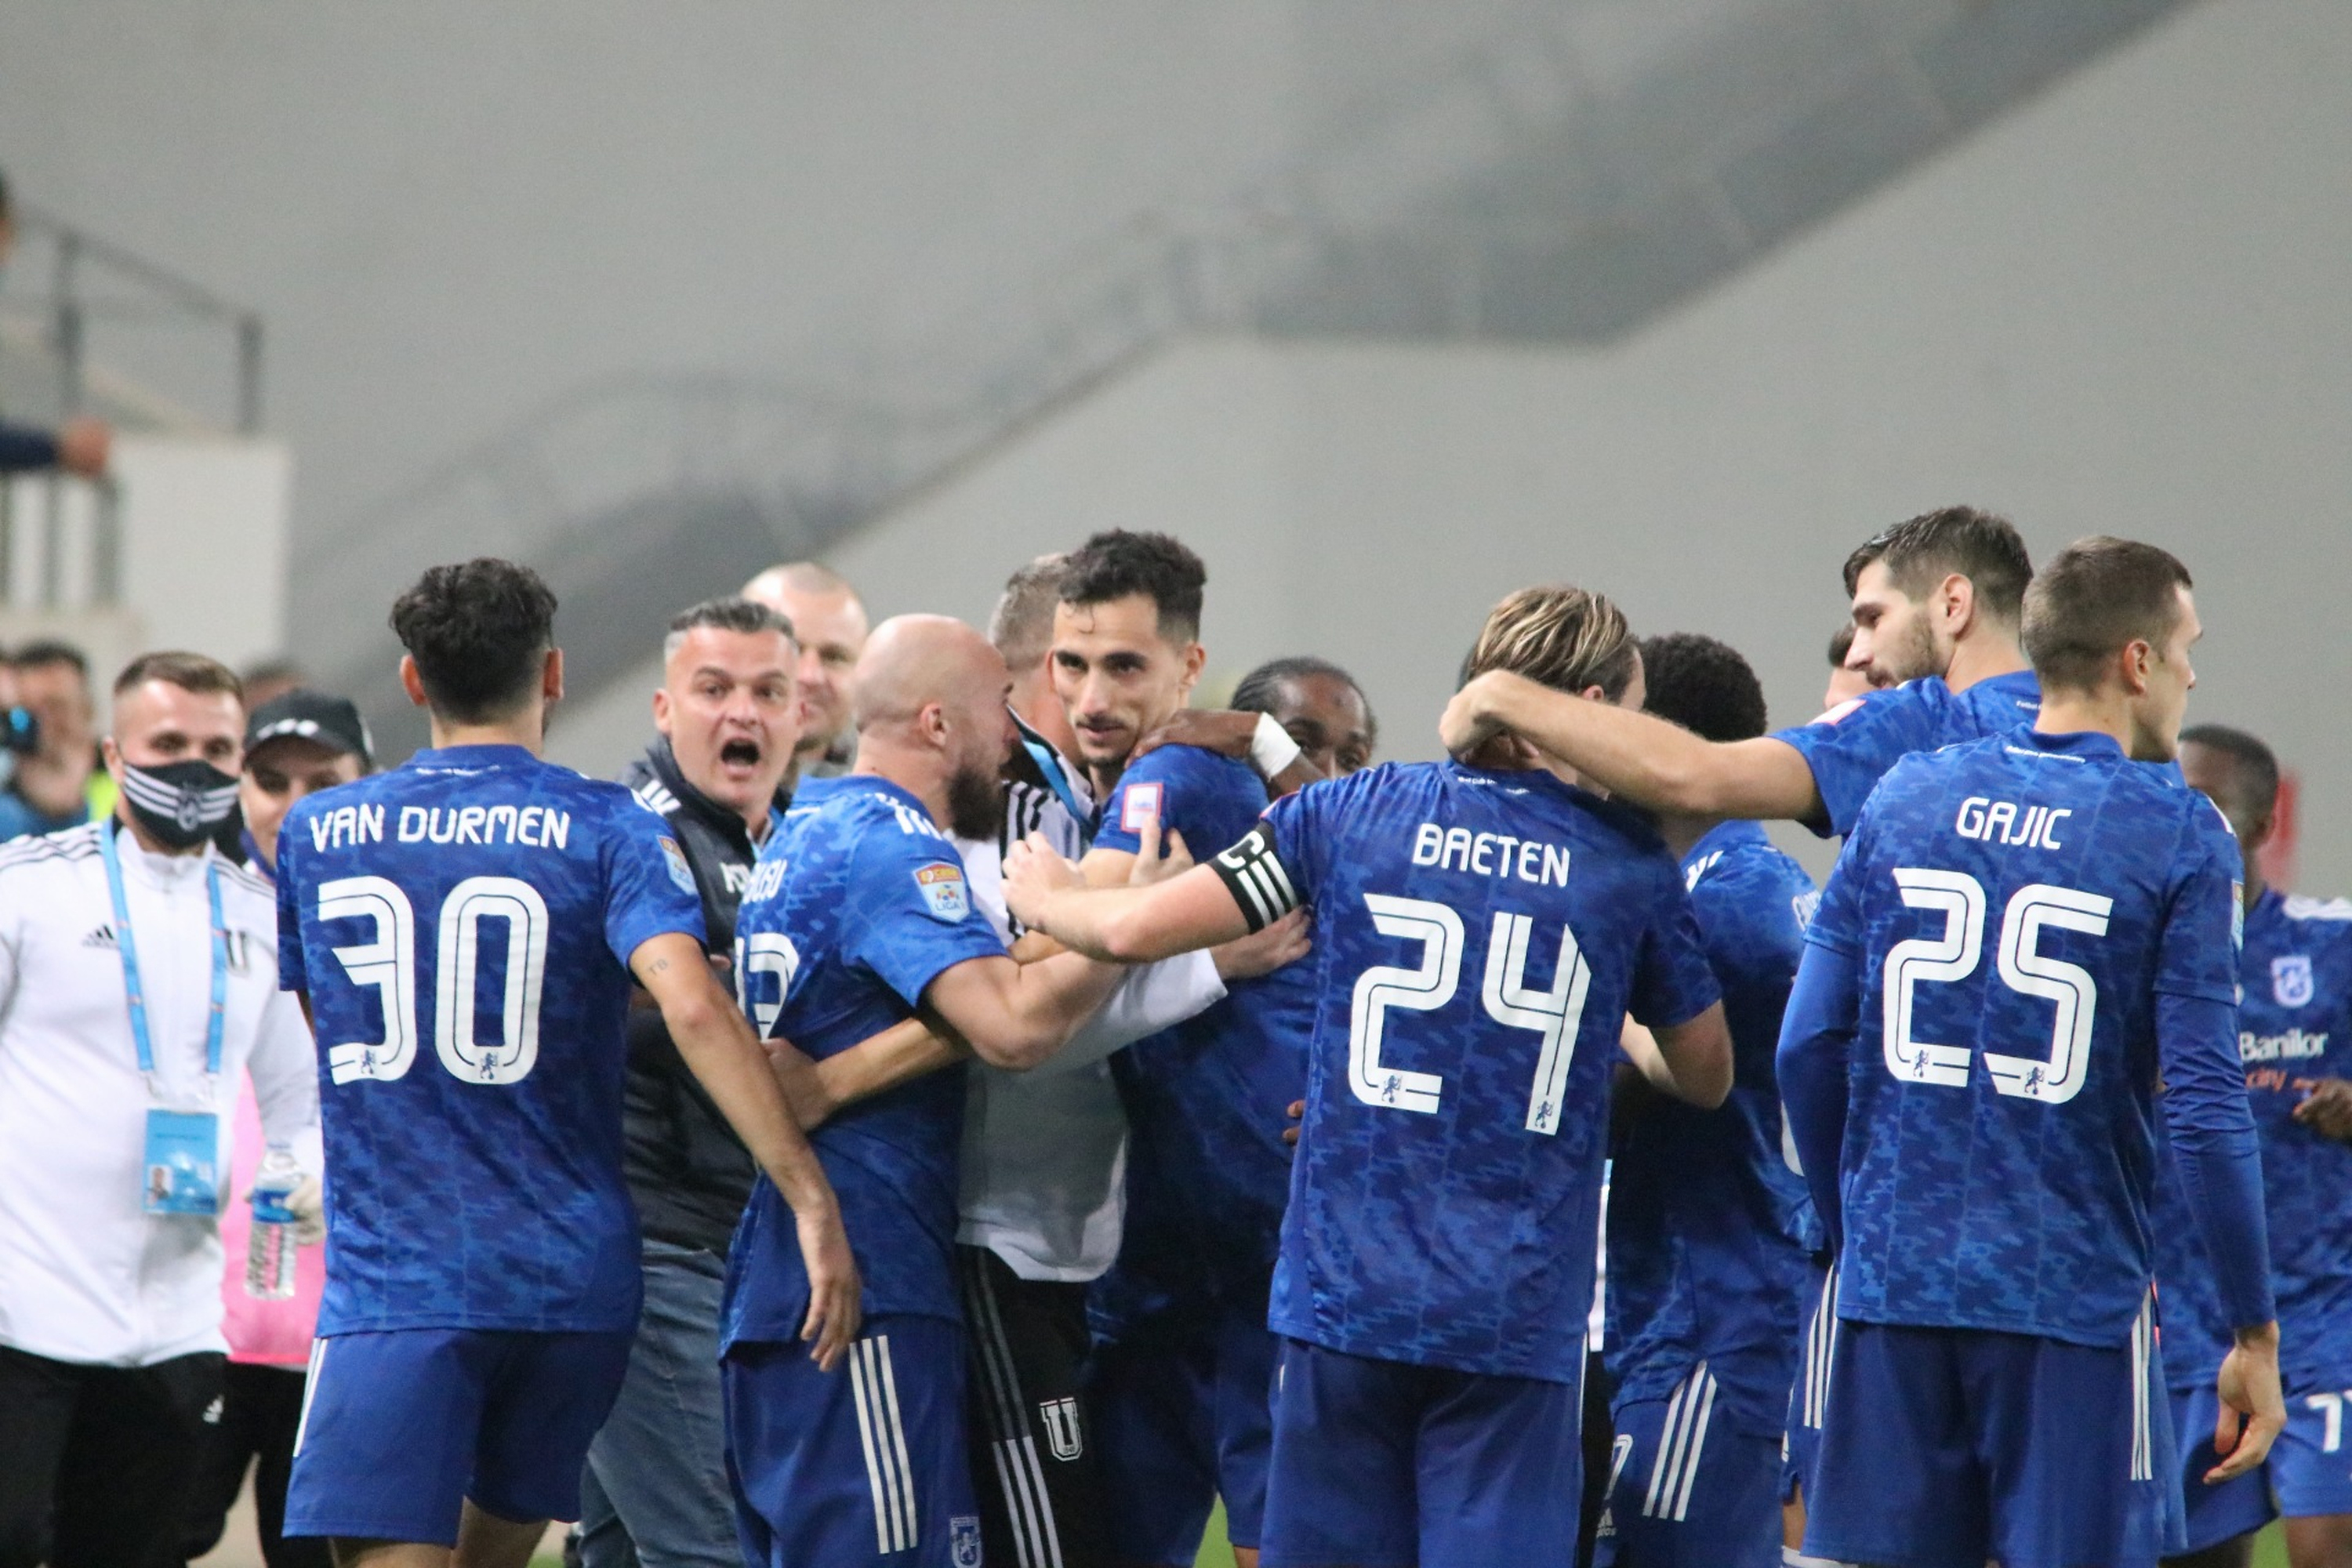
(138, 980)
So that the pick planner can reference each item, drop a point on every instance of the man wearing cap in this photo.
(296, 744)
(137, 986)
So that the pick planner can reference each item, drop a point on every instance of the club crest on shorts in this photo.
(944, 891)
(963, 1540)
(2291, 984)
(1063, 1433)
(679, 871)
(1139, 808)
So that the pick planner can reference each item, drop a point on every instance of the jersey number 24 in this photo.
(387, 961)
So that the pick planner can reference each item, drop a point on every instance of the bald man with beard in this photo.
(858, 917)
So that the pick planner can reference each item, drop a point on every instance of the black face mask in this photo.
(180, 803)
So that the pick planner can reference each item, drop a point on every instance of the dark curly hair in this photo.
(1117, 563)
(1702, 685)
(478, 632)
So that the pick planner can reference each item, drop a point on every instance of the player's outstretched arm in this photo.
(1640, 758)
(1817, 1034)
(1124, 925)
(718, 1048)
(1694, 1056)
(900, 1054)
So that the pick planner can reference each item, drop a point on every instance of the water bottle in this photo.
(269, 1253)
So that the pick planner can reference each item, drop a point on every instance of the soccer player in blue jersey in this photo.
(1182, 1359)
(1708, 1256)
(1935, 611)
(2023, 935)
(857, 918)
(1481, 932)
(464, 931)
(2294, 1038)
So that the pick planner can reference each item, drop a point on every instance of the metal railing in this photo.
(95, 283)
(61, 542)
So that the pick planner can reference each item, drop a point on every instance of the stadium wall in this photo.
(2121, 310)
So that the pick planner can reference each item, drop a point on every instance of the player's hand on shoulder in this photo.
(1287, 941)
(1156, 862)
(833, 1290)
(2252, 1405)
(1224, 730)
(2327, 1109)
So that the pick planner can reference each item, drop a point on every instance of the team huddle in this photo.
(1966, 1209)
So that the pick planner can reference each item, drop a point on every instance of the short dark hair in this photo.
(1702, 685)
(1261, 689)
(2097, 597)
(1984, 548)
(1020, 627)
(1841, 644)
(189, 671)
(1117, 563)
(478, 632)
(727, 613)
(2258, 765)
(48, 651)
(1561, 636)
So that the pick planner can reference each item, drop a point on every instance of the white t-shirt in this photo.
(86, 1274)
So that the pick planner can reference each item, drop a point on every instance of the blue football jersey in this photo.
(854, 908)
(1707, 1249)
(2016, 905)
(1206, 1100)
(2294, 1028)
(462, 925)
(1480, 937)
(1850, 747)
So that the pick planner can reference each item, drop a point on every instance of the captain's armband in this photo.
(1254, 873)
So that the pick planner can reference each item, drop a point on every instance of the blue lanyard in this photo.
(215, 1022)
(1057, 779)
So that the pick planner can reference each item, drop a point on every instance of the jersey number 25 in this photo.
(387, 963)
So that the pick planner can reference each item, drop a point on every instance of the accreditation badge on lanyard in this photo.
(180, 1172)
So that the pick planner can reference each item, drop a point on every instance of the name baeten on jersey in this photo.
(1849, 748)
(2020, 914)
(2295, 1030)
(857, 904)
(1207, 1172)
(1708, 1219)
(462, 925)
(1479, 938)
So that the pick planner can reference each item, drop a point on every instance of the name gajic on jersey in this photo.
(538, 827)
(1991, 821)
(1490, 855)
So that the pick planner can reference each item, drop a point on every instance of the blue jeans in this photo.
(655, 1489)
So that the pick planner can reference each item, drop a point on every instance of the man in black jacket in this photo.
(655, 1486)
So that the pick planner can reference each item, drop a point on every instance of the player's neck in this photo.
(526, 730)
(1682, 833)
(1982, 655)
(2253, 887)
(2067, 713)
(914, 771)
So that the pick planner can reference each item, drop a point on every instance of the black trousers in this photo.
(260, 1414)
(1034, 1466)
(96, 1462)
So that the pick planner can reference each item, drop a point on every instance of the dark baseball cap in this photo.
(329, 722)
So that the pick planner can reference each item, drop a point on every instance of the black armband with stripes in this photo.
(1254, 873)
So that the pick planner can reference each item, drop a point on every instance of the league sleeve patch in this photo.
(1139, 807)
(674, 858)
(1842, 710)
(944, 890)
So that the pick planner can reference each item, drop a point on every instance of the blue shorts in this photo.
(1181, 1411)
(2216, 1514)
(1808, 1399)
(1944, 1447)
(1378, 1464)
(863, 1464)
(1687, 1487)
(2311, 1464)
(399, 1428)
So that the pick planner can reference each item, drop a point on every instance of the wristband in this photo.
(1272, 751)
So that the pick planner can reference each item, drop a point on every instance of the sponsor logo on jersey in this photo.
(679, 871)
(1139, 807)
(2291, 984)
(2293, 1045)
(103, 936)
(1064, 1436)
(944, 891)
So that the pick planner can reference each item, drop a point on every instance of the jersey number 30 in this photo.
(1552, 1014)
(387, 961)
(1954, 956)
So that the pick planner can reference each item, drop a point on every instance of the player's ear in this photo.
(932, 723)
(409, 682)
(1956, 599)
(1196, 658)
(662, 708)
(551, 676)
